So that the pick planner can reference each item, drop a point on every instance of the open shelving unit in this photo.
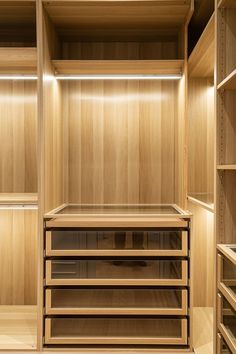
(18, 181)
(225, 174)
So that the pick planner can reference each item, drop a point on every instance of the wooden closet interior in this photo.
(118, 159)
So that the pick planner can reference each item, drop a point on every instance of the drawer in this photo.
(221, 346)
(116, 243)
(227, 279)
(226, 321)
(115, 330)
(117, 301)
(117, 272)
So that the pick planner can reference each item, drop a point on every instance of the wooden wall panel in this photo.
(201, 138)
(203, 254)
(167, 48)
(18, 257)
(121, 140)
(51, 129)
(18, 136)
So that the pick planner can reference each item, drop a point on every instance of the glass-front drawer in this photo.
(227, 279)
(226, 321)
(119, 301)
(116, 243)
(115, 330)
(117, 272)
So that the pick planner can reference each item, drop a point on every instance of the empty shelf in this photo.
(229, 83)
(201, 61)
(118, 67)
(226, 167)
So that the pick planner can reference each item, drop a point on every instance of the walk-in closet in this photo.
(117, 185)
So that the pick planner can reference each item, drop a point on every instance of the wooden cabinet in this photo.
(116, 286)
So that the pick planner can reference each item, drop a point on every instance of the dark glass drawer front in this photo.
(58, 242)
(116, 301)
(115, 331)
(133, 269)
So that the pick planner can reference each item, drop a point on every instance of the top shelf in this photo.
(118, 67)
(201, 61)
(18, 60)
(227, 3)
(91, 17)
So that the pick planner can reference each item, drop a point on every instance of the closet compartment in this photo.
(226, 322)
(227, 273)
(222, 348)
(116, 243)
(117, 272)
(116, 301)
(112, 330)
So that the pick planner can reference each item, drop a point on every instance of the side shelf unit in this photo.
(226, 176)
(116, 286)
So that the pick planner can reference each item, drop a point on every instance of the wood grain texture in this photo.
(120, 141)
(18, 137)
(18, 60)
(202, 59)
(18, 248)
(118, 67)
(229, 83)
(202, 256)
(201, 139)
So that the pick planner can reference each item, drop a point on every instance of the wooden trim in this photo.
(182, 311)
(94, 222)
(90, 253)
(18, 198)
(226, 167)
(116, 340)
(118, 67)
(209, 207)
(183, 281)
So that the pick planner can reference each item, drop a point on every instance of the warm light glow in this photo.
(118, 77)
(18, 77)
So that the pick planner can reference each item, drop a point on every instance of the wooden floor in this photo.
(18, 325)
(203, 330)
(18, 331)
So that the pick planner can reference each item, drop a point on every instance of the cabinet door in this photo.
(116, 243)
(116, 301)
(117, 272)
(226, 322)
(115, 330)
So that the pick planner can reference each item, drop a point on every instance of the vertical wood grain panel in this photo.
(121, 140)
(203, 253)
(18, 141)
(18, 261)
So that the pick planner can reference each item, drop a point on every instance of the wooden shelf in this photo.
(18, 327)
(227, 251)
(18, 60)
(118, 67)
(18, 198)
(201, 61)
(226, 167)
(227, 3)
(229, 83)
(203, 200)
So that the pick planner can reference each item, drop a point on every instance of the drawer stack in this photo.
(226, 299)
(113, 286)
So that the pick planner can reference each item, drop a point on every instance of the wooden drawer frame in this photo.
(90, 253)
(162, 282)
(183, 340)
(183, 311)
(222, 285)
(231, 342)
